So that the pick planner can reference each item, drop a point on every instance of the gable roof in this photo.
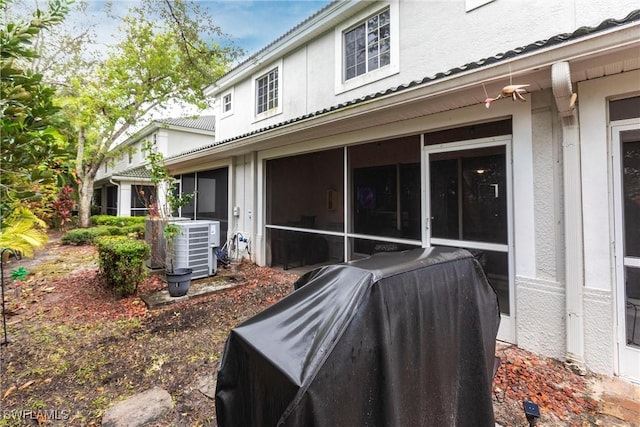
(534, 47)
(202, 124)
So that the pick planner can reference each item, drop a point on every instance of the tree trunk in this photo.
(86, 176)
(85, 194)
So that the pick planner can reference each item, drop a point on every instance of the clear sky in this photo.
(251, 24)
(255, 24)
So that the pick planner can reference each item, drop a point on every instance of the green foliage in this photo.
(19, 273)
(87, 236)
(119, 221)
(166, 191)
(42, 205)
(122, 262)
(166, 52)
(33, 150)
(22, 232)
(164, 184)
(83, 236)
(134, 230)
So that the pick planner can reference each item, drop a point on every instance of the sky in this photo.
(252, 24)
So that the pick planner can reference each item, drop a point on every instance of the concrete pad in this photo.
(197, 289)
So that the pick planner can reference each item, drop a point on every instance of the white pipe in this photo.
(573, 224)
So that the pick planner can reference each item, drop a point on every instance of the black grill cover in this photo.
(398, 339)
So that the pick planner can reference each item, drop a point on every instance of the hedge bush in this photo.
(117, 221)
(86, 236)
(83, 236)
(122, 262)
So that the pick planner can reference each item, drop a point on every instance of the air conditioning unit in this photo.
(195, 247)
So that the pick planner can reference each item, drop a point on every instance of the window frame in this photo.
(277, 109)
(223, 103)
(344, 85)
(361, 33)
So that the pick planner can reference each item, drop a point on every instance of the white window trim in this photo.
(274, 111)
(393, 68)
(230, 112)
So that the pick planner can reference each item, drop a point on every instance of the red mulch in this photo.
(78, 294)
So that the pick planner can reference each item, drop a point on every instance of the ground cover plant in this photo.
(76, 347)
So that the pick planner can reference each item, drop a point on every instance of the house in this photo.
(506, 129)
(124, 187)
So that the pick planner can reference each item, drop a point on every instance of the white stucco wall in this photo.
(430, 43)
(179, 141)
(242, 177)
(540, 306)
(599, 237)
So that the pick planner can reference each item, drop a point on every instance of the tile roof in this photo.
(513, 53)
(202, 123)
(135, 172)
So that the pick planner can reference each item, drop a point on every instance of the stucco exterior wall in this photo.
(599, 239)
(540, 300)
(599, 331)
(429, 44)
(243, 184)
(178, 141)
(547, 184)
(541, 322)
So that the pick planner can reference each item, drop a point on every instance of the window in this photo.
(130, 153)
(267, 92)
(226, 103)
(112, 200)
(367, 47)
(142, 196)
(210, 201)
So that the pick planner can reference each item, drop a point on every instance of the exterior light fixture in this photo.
(532, 411)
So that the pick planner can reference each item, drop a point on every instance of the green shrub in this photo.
(83, 236)
(122, 262)
(117, 221)
(86, 236)
(134, 230)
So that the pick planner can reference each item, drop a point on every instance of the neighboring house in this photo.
(364, 129)
(124, 188)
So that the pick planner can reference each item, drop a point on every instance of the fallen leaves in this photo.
(58, 307)
(558, 391)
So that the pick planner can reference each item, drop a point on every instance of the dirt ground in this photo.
(75, 348)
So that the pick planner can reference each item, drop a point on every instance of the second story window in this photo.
(367, 47)
(267, 92)
(226, 103)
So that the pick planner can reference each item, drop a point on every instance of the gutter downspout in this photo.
(573, 222)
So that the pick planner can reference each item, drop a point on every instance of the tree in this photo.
(167, 53)
(32, 147)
